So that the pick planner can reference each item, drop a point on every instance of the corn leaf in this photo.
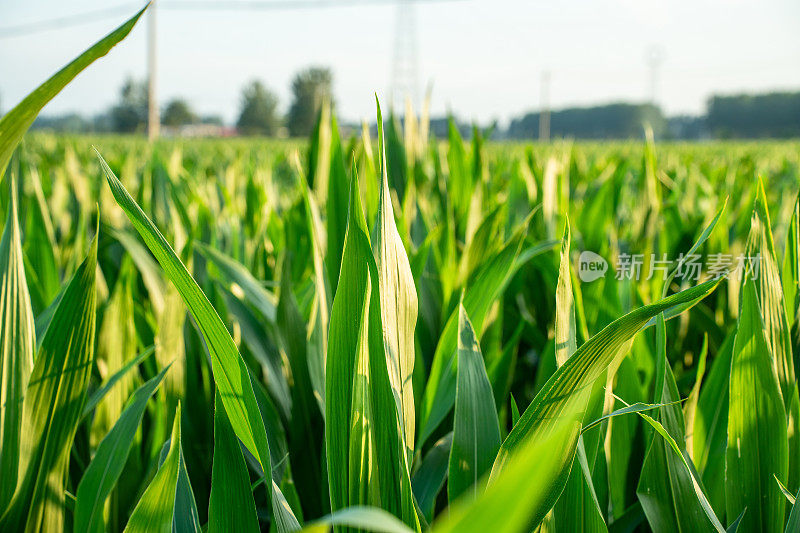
(666, 488)
(53, 405)
(429, 478)
(230, 372)
(577, 507)
(365, 518)
(109, 459)
(356, 336)
(486, 286)
(17, 346)
(231, 507)
(16, 122)
(757, 443)
(767, 283)
(567, 391)
(476, 430)
(155, 510)
(507, 503)
(398, 298)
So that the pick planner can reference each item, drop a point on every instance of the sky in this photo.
(483, 58)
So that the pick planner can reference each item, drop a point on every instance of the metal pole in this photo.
(654, 57)
(153, 119)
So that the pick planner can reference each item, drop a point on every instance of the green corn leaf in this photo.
(371, 409)
(364, 518)
(305, 425)
(264, 351)
(757, 443)
(185, 518)
(507, 503)
(236, 273)
(637, 407)
(567, 391)
(666, 489)
(337, 198)
(112, 380)
(155, 510)
(231, 507)
(486, 286)
(39, 248)
(577, 507)
(429, 478)
(109, 459)
(16, 122)
(662, 431)
(767, 283)
(318, 334)
(116, 347)
(17, 346)
(514, 412)
(398, 297)
(793, 524)
(790, 273)
(711, 426)
(789, 496)
(230, 372)
(476, 430)
(566, 343)
(53, 405)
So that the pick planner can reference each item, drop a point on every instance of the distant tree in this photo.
(130, 114)
(178, 113)
(309, 88)
(611, 121)
(751, 116)
(214, 120)
(258, 115)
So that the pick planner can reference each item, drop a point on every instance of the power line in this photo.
(284, 5)
(71, 20)
(194, 5)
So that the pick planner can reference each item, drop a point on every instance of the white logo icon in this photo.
(591, 266)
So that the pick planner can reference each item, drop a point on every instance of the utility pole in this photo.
(404, 64)
(153, 119)
(544, 113)
(654, 57)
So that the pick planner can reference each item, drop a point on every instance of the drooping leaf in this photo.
(567, 391)
(230, 372)
(16, 122)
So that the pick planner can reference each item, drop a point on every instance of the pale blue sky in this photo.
(484, 57)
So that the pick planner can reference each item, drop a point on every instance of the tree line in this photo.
(258, 109)
(742, 116)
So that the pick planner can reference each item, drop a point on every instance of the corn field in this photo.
(391, 332)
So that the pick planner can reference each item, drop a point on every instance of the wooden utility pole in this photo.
(153, 119)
